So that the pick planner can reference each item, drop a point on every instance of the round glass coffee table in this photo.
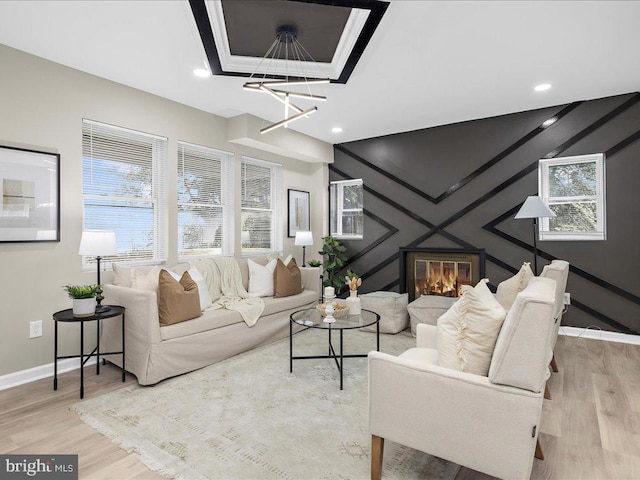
(311, 318)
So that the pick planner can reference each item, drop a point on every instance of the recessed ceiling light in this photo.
(201, 72)
(542, 87)
(548, 122)
(336, 129)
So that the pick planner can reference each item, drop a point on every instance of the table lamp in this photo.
(533, 207)
(98, 243)
(302, 240)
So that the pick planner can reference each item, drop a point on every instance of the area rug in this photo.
(248, 418)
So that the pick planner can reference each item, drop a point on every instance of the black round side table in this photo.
(67, 317)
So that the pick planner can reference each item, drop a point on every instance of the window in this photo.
(346, 209)
(574, 189)
(123, 189)
(261, 206)
(205, 213)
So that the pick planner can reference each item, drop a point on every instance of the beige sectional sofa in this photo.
(154, 352)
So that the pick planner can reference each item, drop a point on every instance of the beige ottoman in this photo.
(392, 308)
(427, 309)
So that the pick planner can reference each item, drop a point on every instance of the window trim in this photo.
(600, 198)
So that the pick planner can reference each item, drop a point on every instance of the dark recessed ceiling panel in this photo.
(250, 29)
(252, 24)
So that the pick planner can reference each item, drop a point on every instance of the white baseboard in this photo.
(43, 371)
(596, 334)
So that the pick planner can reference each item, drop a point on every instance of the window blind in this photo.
(261, 210)
(205, 213)
(124, 190)
(346, 211)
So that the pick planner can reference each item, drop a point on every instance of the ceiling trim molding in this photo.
(363, 21)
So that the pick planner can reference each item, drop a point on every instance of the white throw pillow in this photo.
(121, 275)
(203, 289)
(148, 280)
(392, 308)
(467, 332)
(509, 289)
(261, 278)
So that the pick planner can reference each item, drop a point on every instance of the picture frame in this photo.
(298, 212)
(29, 195)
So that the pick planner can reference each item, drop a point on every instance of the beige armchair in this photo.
(489, 424)
(557, 270)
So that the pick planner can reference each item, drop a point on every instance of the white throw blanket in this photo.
(224, 280)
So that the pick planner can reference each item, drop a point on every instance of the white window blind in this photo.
(123, 187)
(205, 212)
(261, 206)
(574, 189)
(346, 210)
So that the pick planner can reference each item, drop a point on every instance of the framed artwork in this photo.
(298, 212)
(29, 195)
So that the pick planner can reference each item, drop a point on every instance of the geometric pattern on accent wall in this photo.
(430, 188)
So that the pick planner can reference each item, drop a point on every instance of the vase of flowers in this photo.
(353, 301)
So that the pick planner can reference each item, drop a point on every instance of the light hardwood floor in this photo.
(590, 427)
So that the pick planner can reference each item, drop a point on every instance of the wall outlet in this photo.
(567, 298)
(35, 329)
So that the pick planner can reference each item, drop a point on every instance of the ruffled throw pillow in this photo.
(511, 287)
(467, 332)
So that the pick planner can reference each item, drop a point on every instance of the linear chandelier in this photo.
(283, 88)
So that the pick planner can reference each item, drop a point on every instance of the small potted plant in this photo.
(84, 303)
(315, 263)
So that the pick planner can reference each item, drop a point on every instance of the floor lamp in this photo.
(302, 240)
(98, 243)
(534, 208)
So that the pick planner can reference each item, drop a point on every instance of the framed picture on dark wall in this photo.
(29, 195)
(298, 208)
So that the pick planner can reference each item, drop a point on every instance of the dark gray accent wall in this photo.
(460, 185)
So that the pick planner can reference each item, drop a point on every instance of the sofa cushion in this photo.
(392, 308)
(261, 278)
(177, 300)
(209, 320)
(301, 300)
(421, 355)
(287, 279)
(243, 263)
(203, 288)
(467, 332)
(507, 290)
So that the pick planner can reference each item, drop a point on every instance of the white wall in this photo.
(42, 105)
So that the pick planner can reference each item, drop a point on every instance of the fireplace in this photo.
(439, 271)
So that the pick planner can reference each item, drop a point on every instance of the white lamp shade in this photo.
(97, 243)
(534, 207)
(304, 239)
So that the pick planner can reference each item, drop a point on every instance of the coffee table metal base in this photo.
(339, 358)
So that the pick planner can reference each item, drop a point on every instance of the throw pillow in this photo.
(509, 289)
(261, 278)
(121, 275)
(146, 280)
(467, 332)
(177, 300)
(392, 308)
(203, 288)
(287, 279)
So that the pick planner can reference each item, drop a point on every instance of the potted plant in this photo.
(84, 303)
(315, 263)
(335, 257)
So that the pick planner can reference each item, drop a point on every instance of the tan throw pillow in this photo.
(467, 332)
(287, 279)
(177, 301)
(511, 287)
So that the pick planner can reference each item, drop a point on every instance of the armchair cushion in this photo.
(509, 289)
(467, 332)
